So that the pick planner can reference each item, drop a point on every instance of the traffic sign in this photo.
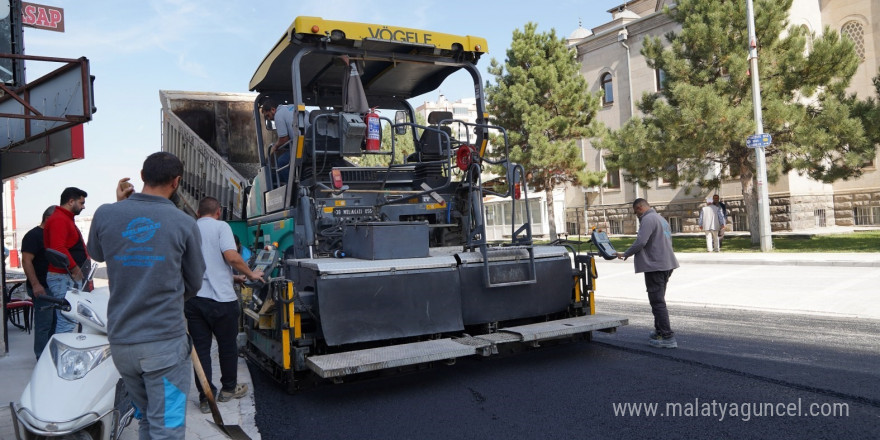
(759, 140)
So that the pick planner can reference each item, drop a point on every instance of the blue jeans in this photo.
(44, 321)
(280, 162)
(59, 284)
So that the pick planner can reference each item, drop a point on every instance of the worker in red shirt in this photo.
(62, 235)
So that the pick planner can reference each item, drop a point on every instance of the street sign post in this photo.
(760, 157)
(759, 140)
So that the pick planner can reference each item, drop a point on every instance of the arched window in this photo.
(856, 33)
(809, 36)
(607, 87)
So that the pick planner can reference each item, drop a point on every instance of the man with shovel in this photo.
(214, 312)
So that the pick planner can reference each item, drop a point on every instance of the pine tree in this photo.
(545, 105)
(702, 117)
(868, 111)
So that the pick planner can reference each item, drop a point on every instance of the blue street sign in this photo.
(759, 140)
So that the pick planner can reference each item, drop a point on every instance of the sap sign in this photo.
(49, 18)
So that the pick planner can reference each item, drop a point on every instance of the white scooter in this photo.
(75, 392)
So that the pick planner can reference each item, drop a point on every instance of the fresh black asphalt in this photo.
(568, 391)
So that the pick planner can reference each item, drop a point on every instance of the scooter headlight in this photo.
(74, 363)
(87, 313)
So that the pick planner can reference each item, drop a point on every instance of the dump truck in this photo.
(375, 267)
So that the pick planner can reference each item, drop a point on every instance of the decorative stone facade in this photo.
(786, 213)
(807, 212)
(846, 204)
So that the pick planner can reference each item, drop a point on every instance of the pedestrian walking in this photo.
(716, 200)
(711, 221)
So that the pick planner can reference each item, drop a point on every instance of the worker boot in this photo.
(239, 392)
(669, 342)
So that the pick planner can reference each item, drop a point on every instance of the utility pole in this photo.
(760, 158)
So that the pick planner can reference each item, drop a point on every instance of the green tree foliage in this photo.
(868, 111)
(702, 117)
(545, 105)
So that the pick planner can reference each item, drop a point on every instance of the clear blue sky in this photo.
(140, 47)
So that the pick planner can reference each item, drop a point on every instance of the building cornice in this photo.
(641, 26)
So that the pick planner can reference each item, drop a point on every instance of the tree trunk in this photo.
(551, 211)
(750, 201)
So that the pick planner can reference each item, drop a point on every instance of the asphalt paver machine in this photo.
(388, 266)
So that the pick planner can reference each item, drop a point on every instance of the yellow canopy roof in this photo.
(381, 52)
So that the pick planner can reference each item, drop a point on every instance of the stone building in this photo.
(612, 61)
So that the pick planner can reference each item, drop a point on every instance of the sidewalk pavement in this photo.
(846, 259)
(17, 365)
(842, 284)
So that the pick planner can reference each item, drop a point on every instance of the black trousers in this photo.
(656, 284)
(208, 319)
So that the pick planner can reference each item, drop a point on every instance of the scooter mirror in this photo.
(93, 267)
(56, 258)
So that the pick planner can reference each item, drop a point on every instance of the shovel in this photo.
(232, 431)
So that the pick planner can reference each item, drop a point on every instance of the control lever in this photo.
(603, 244)
(266, 261)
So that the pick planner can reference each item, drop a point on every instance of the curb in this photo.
(783, 262)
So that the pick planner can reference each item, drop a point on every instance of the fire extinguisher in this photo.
(373, 130)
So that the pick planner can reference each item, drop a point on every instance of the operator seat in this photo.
(325, 124)
(327, 145)
(433, 145)
(326, 132)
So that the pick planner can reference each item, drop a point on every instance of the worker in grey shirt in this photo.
(655, 257)
(154, 262)
(283, 116)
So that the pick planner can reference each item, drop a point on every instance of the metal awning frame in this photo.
(22, 95)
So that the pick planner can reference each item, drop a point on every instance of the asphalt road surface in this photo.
(736, 374)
